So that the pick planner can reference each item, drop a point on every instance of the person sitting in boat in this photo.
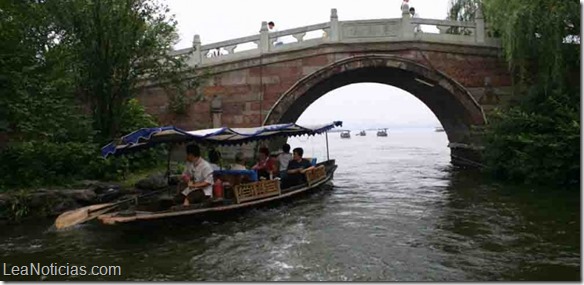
(283, 159)
(198, 176)
(239, 162)
(214, 159)
(296, 168)
(265, 167)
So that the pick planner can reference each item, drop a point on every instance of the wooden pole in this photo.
(327, 148)
(168, 167)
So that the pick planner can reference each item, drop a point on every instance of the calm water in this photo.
(397, 211)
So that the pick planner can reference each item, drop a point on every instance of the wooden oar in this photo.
(81, 215)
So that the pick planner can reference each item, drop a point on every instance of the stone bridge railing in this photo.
(405, 28)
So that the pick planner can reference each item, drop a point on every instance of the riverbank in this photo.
(24, 204)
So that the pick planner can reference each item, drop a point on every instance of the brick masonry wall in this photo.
(240, 86)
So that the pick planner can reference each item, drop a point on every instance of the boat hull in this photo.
(219, 212)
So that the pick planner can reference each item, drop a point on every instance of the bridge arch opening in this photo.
(370, 107)
(452, 104)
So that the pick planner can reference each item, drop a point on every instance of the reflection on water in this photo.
(398, 211)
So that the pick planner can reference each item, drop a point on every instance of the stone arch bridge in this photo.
(460, 77)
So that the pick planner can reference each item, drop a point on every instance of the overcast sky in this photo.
(358, 105)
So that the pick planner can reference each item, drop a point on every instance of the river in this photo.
(398, 211)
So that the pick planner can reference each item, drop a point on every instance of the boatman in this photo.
(199, 177)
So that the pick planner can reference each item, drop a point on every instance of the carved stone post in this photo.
(216, 110)
(480, 26)
(197, 59)
(334, 36)
(264, 38)
(406, 23)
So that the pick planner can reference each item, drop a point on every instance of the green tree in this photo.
(63, 60)
(462, 11)
(537, 140)
(36, 87)
(118, 45)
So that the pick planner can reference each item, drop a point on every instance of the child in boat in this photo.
(266, 166)
(296, 168)
(198, 176)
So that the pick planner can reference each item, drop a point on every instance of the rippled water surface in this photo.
(397, 211)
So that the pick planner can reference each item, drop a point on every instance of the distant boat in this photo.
(382, 133)
(362, 133)
(439, 129)
(346, 135)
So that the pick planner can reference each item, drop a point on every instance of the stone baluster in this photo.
(334, 35)
(264, 38)
(216, 111)
(299, 37)
(480, 26)
(230, 49)
(443, 29)
(197, 56)
(406, 23)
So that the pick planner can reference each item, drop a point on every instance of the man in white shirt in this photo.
(272, 29)
(283, 160)
(199, 177)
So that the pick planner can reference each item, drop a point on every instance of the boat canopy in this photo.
(148, 137)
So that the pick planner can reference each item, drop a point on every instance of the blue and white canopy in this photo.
(147, 137)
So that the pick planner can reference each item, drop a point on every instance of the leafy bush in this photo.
(45, 162)
(537, 141)
(36, 163)
(39, 163)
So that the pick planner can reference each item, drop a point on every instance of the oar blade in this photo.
(78, 216)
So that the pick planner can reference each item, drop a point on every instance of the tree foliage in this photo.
(69, 70)
(537, 140)
(36, 88)
(462, 11)
(535, 35)
(116, 45)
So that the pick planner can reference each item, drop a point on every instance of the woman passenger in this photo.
(266, 166)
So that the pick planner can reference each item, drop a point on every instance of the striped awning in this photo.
(148, 137)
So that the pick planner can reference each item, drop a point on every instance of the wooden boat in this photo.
(382, 133)
(346, 135)
(237, 195)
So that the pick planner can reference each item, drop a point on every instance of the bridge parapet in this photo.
(335, 31)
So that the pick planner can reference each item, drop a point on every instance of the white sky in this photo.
(375, 105)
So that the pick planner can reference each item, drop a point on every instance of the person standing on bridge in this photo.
(414, 15)
(272, 28)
